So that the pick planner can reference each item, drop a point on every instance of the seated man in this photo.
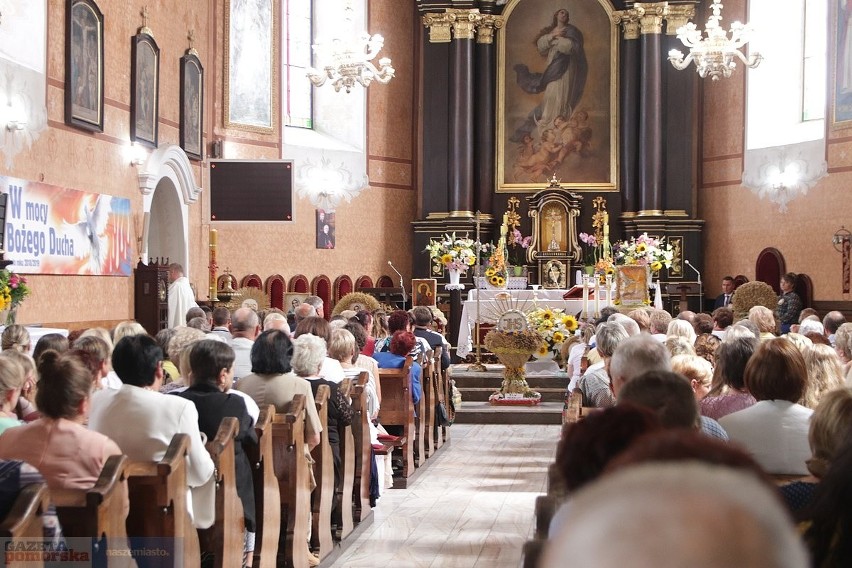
(422, 319)
(142, 421)
(401, 345)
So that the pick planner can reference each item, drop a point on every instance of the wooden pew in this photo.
(23, 523)
(343, 494)
(158, 507)
(420, 411)
(322, 497)
(429, 400)
(448, 395)
(440, 396)
(362, 449)
(291, 470)
(398, 410)
(267, 501)
(99, 513)
(225, 539)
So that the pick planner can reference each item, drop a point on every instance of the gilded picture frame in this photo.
(144, 90)
(840, 47)
(557, 96)
(424, 292)
(631, 287)
(192, 106)
(554, 276)
(84, 65)
(250, 54)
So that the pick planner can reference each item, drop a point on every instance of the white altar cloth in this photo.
(524, 300)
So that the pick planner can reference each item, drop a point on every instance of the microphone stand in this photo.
(401, 285)
(700, 286)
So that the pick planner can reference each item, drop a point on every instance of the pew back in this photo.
(343, 496)
(323, 495)
(363, 451)
(398, 410)
(24, 522)
(267, 500)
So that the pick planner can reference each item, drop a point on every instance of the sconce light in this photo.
(136, 154)
(15, 125)
(841, 236)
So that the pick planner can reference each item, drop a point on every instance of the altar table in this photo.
(525, 300)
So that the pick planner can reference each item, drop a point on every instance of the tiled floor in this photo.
(471, 508)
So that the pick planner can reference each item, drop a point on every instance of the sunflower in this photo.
(558, 337)
(500, 280)
(490, 272)
(547, 315)
(471, 260)
(494, 280)
(543, 349)
(640, 248)
(446, 258)
(656, 266)
(570, 322)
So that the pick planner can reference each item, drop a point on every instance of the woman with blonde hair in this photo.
(764, 319)
(26, 409)
(15, 337)
(830, 423)
(697, 370)
(824, 374)
(11, 382)
(127, 328)
(843, 347)
(681, 328)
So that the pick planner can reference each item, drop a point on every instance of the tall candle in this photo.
(597, 297)
(585, 296)
(606, 224)
(214, 237)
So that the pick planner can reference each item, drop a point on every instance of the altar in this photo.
(492, 303)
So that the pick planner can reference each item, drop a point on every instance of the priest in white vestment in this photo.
(181, 297)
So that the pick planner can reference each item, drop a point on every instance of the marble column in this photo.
(650, 168)
(629, 105)
(486, 88)
(461, 113)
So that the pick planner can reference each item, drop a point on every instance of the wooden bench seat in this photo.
(343, 495)
(323, 494)
(398, 410)
(99, 513)
(225, 539)
(267, 500)
(291, 471)
(158, 504)
(362, 449)
(24, 522)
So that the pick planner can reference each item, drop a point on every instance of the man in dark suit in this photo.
(726, 297)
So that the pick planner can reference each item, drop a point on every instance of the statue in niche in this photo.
(554, 217)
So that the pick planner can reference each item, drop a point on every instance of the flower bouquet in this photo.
(13, 291)
(518, 245)
(454, 253)
(554, 327)
(496, 273)
(592, 250)
(513, 349)
(644, 251)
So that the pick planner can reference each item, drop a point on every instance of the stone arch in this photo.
(168, 188)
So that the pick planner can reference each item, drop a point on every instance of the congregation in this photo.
(79, 402)
(762, 403)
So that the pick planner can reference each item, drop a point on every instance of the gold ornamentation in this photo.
(464, 22)
(651, 21)
(629, 20)
(513, 218)
(678, 15)
(677, 256)
(487, 24)
(439, 27)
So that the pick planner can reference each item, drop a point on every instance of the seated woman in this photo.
(588, 446)
(764, 319)
(400, 320)
(825, 374)
(728, 393)
(775, 429)
(401, 345)
(331, 369)
(181, 340)
(826, 521)
(111, 380)
(344, 348)
(11, 382)
(67, 454)
(365, 318)
(50, 341)
(127, 328)
(15, 337)
(308, 354)
(363, 361)
(272, 380)
(830, 422)
(26, 409)
(94, 353)
(212, 365)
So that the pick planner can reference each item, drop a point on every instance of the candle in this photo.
(585, 296)
(597, 297)
(606, 224)
(214, 237)
(505, 219)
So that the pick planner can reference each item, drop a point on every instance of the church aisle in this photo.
(472, 507)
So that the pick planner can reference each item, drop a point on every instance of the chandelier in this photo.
(785, 174)
(350, 57)
(714, 55)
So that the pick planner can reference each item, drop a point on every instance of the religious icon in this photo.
(554, 275)
(423, 291)
(325, 229)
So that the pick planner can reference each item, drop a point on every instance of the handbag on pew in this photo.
(442, 418)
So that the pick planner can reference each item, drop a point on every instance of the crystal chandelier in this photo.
(714, 55)
(350, 57)
(327, 185)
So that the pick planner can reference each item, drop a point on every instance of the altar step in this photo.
(477, 386)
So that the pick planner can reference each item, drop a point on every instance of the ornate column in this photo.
(461, 112)
(629, 105)
(650, 109)
(486, 88)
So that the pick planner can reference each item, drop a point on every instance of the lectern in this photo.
(681, 290)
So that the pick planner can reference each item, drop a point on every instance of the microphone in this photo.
(401, 282)
(689, 264)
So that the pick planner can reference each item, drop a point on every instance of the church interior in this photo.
(490, 119)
